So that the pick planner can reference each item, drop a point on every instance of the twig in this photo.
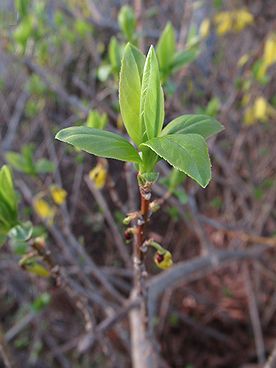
(195, 269)
(143, 351)
(199, 229)
(15, 120)
(79, 249)
(271, 363)
(255, 318)
(5, 351)
(107, 214)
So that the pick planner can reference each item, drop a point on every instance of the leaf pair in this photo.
(140, 95)
(24, 162)
(181, 143)
(169, 59)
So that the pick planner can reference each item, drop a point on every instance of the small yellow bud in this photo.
(269, 55)
(233, 21)
(43, 209)
(261, 108)
(58, 194)
(98, 175)
(37, 269)
(163, 259)
(204, 28)
(243, 60)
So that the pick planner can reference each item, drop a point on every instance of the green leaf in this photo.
(183, 58)
(176, 178)
(127, 22)
(21, 232)
(103, 72)
(3, 238)
(96, 120)
(6, 188)
(99, 143)
(8, 201)
(44, 166)
(22, 6)
(130, 91)
(204, 125)
(152, 98)
(166, 47)
(41, 302)
(18, 162)
(115, 55)
(185, 152)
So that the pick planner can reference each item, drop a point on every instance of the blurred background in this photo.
(59, 66)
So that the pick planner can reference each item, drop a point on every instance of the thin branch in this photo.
(195, 269)
(254, 316)
(109, 218)
(271, 363)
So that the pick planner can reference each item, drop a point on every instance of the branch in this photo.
(109, 218)
(195, 269)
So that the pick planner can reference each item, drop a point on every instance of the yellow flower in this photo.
(98, 175)
(233, 21)
(204, 28)
(43, 209)
(241, 19)
(269, 55)
(261, 109)
(58, 194)
(163, 259)
(223, 22)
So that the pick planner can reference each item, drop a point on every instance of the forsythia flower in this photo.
(260, 111)
(269, 55)
(58, 194)
(233, 21)
(261, 108)
(163, 259)
(98, 175)
(204, 28)
(43, 209)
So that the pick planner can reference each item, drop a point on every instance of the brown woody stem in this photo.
(143, 353)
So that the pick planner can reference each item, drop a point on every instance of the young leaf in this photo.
(185, 152)
(21, 232)
(204, 125)
(17, 161)
(176, 178)
(152, 98)
(99, 143)
(6, 188)
(22, 6)
(44, 166)
(166, 47)
(127, 22)
(115, 55)
(183, 58)
(130, 91)
(8, 202)
(96, 120)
